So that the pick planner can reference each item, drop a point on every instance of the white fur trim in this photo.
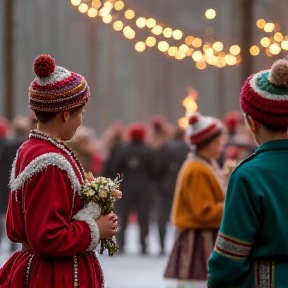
(265, 94)
(90, 210)
(41, 163)
(89, 213)
(59, 74)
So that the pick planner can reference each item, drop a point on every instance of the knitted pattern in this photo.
(55, 88)
(265, 101)
(201, 128)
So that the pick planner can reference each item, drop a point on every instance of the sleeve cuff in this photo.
(88, 214)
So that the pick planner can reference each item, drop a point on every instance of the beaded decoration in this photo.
(55, 88)
(28, 268)
(75, 272)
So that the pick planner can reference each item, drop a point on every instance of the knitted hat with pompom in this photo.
(264, 95)
(202, 128)
(55, 88)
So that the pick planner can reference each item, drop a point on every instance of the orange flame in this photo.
(190, 105)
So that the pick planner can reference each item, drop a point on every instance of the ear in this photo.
(252, 123)
(65, 116)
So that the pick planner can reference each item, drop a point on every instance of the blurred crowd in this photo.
(147, 156)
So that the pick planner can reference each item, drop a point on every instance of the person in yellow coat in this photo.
(198, 202)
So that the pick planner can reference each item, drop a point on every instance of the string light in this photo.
(197, 42)
(96, 4)
(269, 27)
(141, 22)
(210, 14)
(212, 60)
(150, 22)
(104, 11)
(197, 56)
(201, 65)
(284, 45)
(92, 12)
(260, 23)
(167, 32)
(179, 55)
(128, 32)
(278, 37)
(254, 50)
(177, 34)
(235, 50)
(172, 51)
(119, 5)
(218, 46)
(265, 42)
(150, 41)
(230, 59)
(157, 30)
(209, 52)
(129, 14)
(83, 8)
(183, 48)
(163, 46)
(274, 49)
(118, 25)
(188, 40)
(107, 19)
(75, 2)
(140, 46)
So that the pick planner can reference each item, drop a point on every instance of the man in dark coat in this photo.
(134, 163)
(21, 127)
(169, 160)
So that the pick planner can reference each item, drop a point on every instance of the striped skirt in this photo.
(191, 251)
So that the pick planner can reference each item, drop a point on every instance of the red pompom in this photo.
(193, 119)
(44, 66)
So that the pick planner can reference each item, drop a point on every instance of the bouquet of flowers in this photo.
(104, 192)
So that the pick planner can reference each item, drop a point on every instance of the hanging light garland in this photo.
(203, 50)
(273, 43)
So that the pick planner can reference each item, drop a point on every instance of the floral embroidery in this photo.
(231, 247)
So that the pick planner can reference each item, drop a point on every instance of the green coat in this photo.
(252, 245)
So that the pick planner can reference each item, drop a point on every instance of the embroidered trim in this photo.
(75, 272)
(265, 274)
(231, 247)
(28, 269)
(39, 164)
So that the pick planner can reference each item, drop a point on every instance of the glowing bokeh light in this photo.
(210, 14)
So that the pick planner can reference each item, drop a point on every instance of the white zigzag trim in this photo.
(59, 74)
(39, 164)
(265, 94)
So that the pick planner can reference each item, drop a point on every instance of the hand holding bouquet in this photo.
(104, 192)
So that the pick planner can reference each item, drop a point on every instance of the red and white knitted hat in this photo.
(55, 88)
(264, 95)
(202, 128)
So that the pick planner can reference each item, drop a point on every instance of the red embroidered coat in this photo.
(57, 250)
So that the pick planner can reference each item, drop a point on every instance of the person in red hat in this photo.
(198, 202)
(46, 180)
(251, 248)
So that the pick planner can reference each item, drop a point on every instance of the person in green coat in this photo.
(251, 249)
